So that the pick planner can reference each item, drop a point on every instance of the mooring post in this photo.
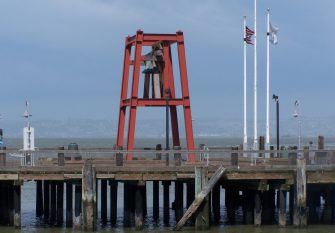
(46, 199)
(39, 198)
(53, 203)
(113, 200)
(139, 205)
(155, 200)
(282, 208)
(216, 203)
(60, 203)
(77, 206)
(103, 202)
(17, 204)
(89, 196)
(69, 204)
(258, 209)
(166, 201)
(300, 210)
(202, 220)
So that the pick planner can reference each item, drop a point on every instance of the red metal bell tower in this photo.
(158, 69)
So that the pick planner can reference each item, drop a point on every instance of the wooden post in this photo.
(39, 198)
(300, 210)
(53, 203)
(166, 202)
(234, 156)
(158, 155)
(179, 195)
(69, 205)
(216, 203)
(2, 157)
(77, 206)
(261, 146)
(89, 196)
(103, 207)
(17, 205)
(268, 206)
(113, 200)
(60, 203)
(313, 203)
(10, 203)
(144, 194)
(46, 204)
(155, 200)
(202, 220)
(321, 157)
(282, 208)
(177, 156)
(190, 193)
(230, 196)
(291, 203)
(139, 206)
(258, 209)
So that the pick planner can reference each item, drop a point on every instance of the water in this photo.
(32, 224)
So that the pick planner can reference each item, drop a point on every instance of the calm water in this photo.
(32, 224)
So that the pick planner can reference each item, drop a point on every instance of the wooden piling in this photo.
(53, 203)
(113, 201)
(46, 200)
(2, 157)
(248, 206)
(258, 209)
(300, 210)
(60, 203)
(39, 198)
(313, 203)
(179, 195)
(268, 206)
(103, 202)
(69, 204)
(166, 202)
(155, 200)
(128, 196)
(202, 220)
(77, 206)
(10, 201)
(139, 206)
(216, 203)
(282, 208)
(328, 206)
(230, 196)
(17, 205)
(89, 197)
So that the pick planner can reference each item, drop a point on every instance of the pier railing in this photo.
(171, 158)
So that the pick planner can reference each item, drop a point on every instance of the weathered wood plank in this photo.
(9, 176)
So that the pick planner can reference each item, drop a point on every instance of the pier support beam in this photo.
(216, 203)
(248, 206)
(89, 196)
(155, 200)
(53, 203)
(166, 202)
(69, 205)
(128, 204)
(300, 210)
(258, 209)
(77, 206)
(39, 198)
(268, 206)
(113, 201)
(17, 205)
(60, 203)
(46, 200)
(282, 208)
(103, 196)
(139, 201)
(179, 196)
(202, 220)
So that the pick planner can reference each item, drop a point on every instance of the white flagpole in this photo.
(245, 136)
(255, 81)
(267, 142)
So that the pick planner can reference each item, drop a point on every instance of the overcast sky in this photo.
(65, 57)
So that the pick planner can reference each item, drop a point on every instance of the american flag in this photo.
(248, 35)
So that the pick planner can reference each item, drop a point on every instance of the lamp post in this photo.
(276, 99)
(296, 115)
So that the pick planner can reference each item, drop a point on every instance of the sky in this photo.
(65, 56)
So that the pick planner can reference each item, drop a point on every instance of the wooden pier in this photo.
(269, 190)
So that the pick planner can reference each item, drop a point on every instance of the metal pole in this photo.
(245, 136)
(255, 80)
(167, 91)
(277, 118)
(267, 142)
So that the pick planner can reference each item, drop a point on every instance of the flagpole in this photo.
(255, 81)
(245, 136)
(267, 142)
